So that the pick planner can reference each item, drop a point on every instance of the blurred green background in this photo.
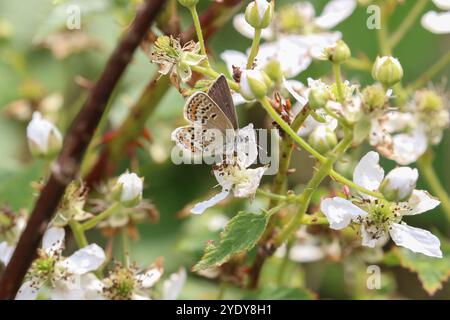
(25, 67)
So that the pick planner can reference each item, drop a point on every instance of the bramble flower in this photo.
(128, 189)
(60, 273)
(234, 175)
(377, 217)
(128, 283)
(174, 59)
(44, 139)
(337, 52)
(438, 22)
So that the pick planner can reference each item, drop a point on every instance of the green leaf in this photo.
(274, 293)
(240, 234)
(432, 272)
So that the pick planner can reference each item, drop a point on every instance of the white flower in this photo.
(172, 287)
(128, 284)
(253, 84)
(438, 22)
(44, 139)
(6, 252)
(233, 175)
(380, 217)
(61, 273)
(129, 188)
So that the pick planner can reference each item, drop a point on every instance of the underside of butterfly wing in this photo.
(221, 94)
(198, 141)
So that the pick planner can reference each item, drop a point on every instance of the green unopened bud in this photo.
(274, 71)
(259, 14)
(374, 98)
(318, 97)
(254, 84)
(387, 70)
(399, 184)
(338, 52)
(188, 3)
(322, 139)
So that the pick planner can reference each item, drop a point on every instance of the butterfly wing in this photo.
(208, 129)
(221, 94)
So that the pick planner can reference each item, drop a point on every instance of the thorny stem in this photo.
(91, 223)
(312, 185)
(431, 72)
(76, 142)
(254, 49)
(198, 30)
(425, 165)
(407, 23)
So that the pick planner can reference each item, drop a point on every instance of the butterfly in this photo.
(212, 117)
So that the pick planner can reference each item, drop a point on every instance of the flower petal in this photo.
(172, 287)
(6, 252)
(435, 22)
(340, 212)
(233, 58)
(408, 147)
(335, 12)
(442, 4)
(53, 240)
(247, 30)
(416, 240)
(200, 207)
(289, 85)
(84, 260)
(420, 202)
(246, 147)
(368, 173)
(29, 290)
(248, 187)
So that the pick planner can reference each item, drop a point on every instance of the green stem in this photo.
(125, 248)
(198, 30)
(287, 128)
(102, 216)
(208, 71)
(310, 220)
(254, 49)
(78, 234)
(431, 72)
(425, 165)
(284, 263)
(382, 34)
(312, 185)
(222, 289)
(341, 179)
(407, 23)
(338, 77)
(271, 196)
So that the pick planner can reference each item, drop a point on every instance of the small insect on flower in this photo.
(175, 59)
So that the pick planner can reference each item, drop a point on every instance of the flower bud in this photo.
(374, 98)
(387, 70)
(128, 189)
(188, 3)
(323, 139)
(273, 70)
(318, 97)
(44, 139)
(254, 84)
(259, 14)
(338, 52)
(399, 184)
